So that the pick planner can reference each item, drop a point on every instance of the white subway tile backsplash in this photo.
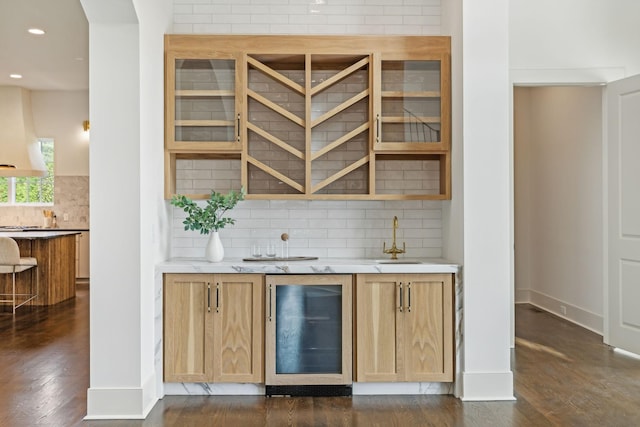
(191, 2)
(355, 231)
(209, 9)
(250, 28)
(334, 228)
(183, 9)
(249, 9)
(191, 19)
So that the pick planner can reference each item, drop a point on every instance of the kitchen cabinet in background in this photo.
(404, 327)
(82, 256)
(213, 328)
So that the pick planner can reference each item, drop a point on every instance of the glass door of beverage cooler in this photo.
(308, 330)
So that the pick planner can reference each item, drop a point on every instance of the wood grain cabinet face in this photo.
(213, 327)
(308, 117)
(404, 327)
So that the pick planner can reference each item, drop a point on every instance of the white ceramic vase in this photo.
(214, 252)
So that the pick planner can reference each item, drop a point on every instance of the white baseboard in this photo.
(581, 317)
(486, 386)
(115, 403)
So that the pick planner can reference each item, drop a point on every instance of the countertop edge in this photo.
(32, 235)
(319, 266)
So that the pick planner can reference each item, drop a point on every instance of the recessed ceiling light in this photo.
(15, 76)
(36, 31)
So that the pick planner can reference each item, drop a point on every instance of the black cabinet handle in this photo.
(409, 298)
(217, 297)
(208, 297)
(238, 132)
(269, 303)
(401, 298)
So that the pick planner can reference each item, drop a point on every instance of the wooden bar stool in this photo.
(12, 263)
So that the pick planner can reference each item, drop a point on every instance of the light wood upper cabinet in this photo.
(308, 117)
(404, 327)
(213, 328)
(204, 112)
(411, 112)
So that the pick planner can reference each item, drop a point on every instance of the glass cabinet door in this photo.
(203, 114)
(413, 111)
(308, 330)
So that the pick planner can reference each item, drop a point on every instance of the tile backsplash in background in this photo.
(71, 196)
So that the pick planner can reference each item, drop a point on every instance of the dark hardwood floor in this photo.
(564, 376)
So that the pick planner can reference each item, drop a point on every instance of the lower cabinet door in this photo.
(188, 328)
(428, 327)
(238, 328)
(404, 327)
(213, 328)
(378, 324)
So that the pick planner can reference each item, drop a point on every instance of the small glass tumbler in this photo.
(271, 250)
(256, 251)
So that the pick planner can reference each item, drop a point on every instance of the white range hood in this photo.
(20, 153)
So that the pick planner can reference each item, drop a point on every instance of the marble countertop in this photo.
(37, 234)
(318, 266)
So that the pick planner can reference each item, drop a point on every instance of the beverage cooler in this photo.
(308, 335)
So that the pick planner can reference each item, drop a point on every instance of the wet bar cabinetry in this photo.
(309, 329)
(308, 117)
(213, 327)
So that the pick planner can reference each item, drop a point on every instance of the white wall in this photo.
(558, 173)
(59, 115)
(487, 196)
(573, 40)
(128, 213)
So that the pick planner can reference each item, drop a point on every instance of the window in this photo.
(31, 190)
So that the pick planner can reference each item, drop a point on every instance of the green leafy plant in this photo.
(212, 216)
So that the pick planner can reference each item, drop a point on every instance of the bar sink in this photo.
(398, 261)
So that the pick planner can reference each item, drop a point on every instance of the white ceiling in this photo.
(58, 60)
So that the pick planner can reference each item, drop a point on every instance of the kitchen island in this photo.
(56, 254)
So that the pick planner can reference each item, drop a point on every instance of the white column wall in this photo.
(114, 157)
(127, 208)
(155, 20)
(487, 200)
